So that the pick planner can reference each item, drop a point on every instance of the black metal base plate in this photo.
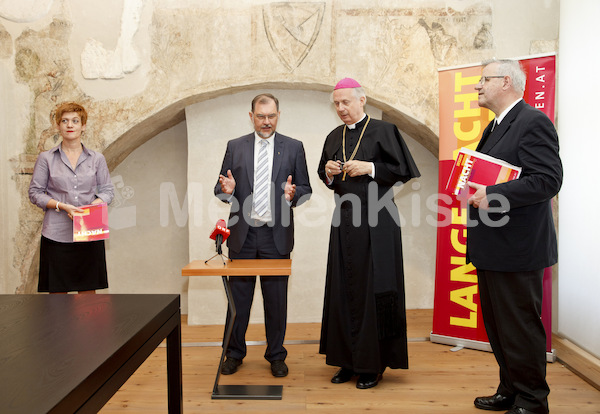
(248, 392)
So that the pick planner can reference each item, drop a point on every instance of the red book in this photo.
(478, 168)
(92, 224)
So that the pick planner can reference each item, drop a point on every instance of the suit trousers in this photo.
(259, 244)
(511, 303)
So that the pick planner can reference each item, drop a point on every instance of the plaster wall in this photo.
(578, 306)
(146, 251)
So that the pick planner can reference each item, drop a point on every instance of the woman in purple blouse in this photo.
(64, 178)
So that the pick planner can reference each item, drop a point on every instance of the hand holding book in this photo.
(479, 198)
(72, 210)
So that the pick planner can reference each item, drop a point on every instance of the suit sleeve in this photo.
(227, 165)
(538, 153)
(300, 177)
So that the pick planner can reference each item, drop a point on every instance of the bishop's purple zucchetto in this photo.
(346, 83)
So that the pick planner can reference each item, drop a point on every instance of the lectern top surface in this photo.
(239, 267)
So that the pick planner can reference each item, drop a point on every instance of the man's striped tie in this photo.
(261, 186)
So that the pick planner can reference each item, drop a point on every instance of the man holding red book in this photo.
(511, 258)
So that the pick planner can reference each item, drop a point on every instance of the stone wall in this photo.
(137, 65)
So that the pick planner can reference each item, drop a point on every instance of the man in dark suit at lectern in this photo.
(264, 175)
(511, 238)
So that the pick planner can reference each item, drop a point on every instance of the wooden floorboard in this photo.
(437, 381)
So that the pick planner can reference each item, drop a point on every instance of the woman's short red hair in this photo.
(70, 107)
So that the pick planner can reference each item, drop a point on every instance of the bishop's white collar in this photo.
(354, 124)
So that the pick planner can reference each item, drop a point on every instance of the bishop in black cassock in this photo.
(364, 314)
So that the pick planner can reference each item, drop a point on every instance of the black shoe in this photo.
(343, 375)
(230, 366)
(367, 381)
(519, 410)
(279, 368)
(496, 402)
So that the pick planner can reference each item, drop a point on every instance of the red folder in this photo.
(92, 224)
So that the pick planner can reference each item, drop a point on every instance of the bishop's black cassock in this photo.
(364, 314)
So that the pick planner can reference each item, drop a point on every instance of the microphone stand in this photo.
(219, 247)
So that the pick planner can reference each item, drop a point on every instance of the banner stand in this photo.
(477, 345)
(460, 342)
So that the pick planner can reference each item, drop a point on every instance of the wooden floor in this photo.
(438, 380)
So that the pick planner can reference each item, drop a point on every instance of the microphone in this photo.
(220, 234)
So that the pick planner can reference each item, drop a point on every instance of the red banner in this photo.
(456, 313)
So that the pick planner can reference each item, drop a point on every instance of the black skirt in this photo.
(67, 267)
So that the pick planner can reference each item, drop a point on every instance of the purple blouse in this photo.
(54, 178)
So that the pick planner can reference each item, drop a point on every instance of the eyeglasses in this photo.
(270, 117)
(484, 79)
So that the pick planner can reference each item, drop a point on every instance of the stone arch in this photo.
(174, 113)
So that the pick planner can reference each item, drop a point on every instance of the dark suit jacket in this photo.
(288, 159)
(527, 138)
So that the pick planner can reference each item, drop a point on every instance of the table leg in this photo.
(174, 376)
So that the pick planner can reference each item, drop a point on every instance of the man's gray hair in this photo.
(512, 69)
(358, 92)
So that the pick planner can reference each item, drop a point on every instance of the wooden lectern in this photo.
(233, 268)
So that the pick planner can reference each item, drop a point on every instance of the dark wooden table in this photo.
(71, 353)
(228, 269)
